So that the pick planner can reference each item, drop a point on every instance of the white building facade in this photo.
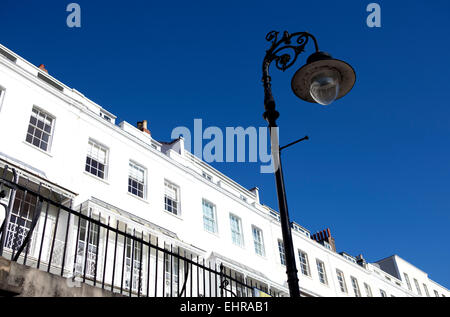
(54, 136)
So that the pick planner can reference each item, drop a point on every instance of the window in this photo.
(281, 251)
(40, 129)
(20, 220)
(172, 269)
(2, 95)
(275, 215)
(417, 287)
(436, 293)
(426, 290)
(134, 270)
(8, 55)
(258, 241)
(383, 293)
(105, 116)
(136, 180)
(236, 230)
(322, 272)
(96, 160)
(88, 241)
(300, 229)
(407, 281)
(209, 216)
(341, 280)
(207, 176)
(171, 198)
(49, 81)
(368, 290)
(355, 286)
(304, 264)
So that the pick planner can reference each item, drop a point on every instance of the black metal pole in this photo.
(271, 115)
(291, 267)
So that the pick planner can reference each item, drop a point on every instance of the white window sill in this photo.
(303, 275)
(242, 246)
(216, 234)
(261, 256)
(137, 197)
(173, 215)
(96, 177)
(37, 148)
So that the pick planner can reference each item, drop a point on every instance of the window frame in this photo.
(260, 243)
(134, 164)
(2, 96)
(355, 286)
(214, 214)
(368, 290)
(308, 269)
(133, 258)
(321, 267)
(425, 287)
(241, 233)
(178, 198)
(35, 127)
(416, 283)
(341, 280)
(281, 252)
(106, 164)
(408, 282)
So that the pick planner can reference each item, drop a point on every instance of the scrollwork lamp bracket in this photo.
(284, 52)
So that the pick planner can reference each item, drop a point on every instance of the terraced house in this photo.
(96, 204)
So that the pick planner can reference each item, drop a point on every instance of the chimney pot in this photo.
(142, 125)
(42, 67)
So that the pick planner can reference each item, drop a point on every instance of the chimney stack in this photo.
(142, 125)
(361, 261)
(325, 235)
(255, 190)
(42, 67)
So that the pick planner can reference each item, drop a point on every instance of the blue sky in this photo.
(376, 170)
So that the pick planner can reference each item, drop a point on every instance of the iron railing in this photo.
(42, 230)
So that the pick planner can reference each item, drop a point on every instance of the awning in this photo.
(153, 228)
(250, 272)
(33, 174)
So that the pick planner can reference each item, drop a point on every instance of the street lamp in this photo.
(321, 80)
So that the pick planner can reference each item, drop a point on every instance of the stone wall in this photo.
(24, 281)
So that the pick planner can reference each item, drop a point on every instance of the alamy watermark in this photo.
(374, 18)
(74, 18)
(235, 144)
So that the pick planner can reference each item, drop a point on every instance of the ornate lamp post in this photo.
(321, 80)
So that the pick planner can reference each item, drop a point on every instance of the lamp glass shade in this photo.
(324, 87)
